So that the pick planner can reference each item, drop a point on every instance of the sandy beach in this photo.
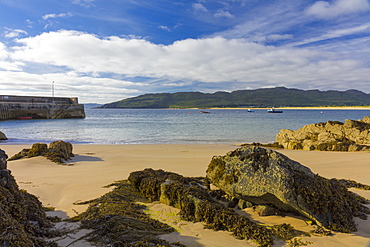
(95, 166)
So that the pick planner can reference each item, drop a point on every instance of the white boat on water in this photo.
(272, 110)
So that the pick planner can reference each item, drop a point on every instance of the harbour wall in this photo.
(27, 107)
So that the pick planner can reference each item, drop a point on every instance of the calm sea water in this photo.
(172, 126)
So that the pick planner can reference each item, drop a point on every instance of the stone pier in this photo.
(29, 107)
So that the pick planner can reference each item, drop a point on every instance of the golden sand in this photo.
(95, 166)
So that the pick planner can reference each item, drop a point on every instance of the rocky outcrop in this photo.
(58, 151)
(192, 197)
(23, 220)
(266, 177)
(330, 136)
(3, 136)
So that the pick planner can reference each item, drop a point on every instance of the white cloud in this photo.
(242, 2)
(199, 7)
(223, 13)
(212, 61)
(88, 89)
(29, 23)
(326, 10)
(50, 16)
(6, 63)
(331, 34)
(84, 3)
(12, 33)
(165, 28)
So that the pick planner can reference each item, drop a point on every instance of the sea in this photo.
(170, 126)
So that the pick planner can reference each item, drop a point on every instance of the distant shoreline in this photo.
(296, 108)
(255, 108)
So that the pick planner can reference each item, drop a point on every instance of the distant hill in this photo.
(92, 105)
(266, 97)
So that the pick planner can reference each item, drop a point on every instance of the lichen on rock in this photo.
(263, 176)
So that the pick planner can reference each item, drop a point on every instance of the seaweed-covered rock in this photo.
(58, 151)
(192, 197)
(23, 220)
(330, 136)
(264, 176)
(3, 136)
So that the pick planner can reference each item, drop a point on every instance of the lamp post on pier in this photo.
(52, 89)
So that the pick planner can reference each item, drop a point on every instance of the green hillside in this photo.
(267, 97)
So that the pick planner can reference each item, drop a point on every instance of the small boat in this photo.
(205, 112)
(249, 110)
(24, 118)
(272, 110)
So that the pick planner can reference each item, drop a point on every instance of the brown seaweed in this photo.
(117, 220)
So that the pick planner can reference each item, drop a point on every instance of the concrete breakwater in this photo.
(28, 107)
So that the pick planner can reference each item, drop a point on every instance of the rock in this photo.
(37, 149)
(2, 136)
(266, 210)
(23, 220)
(330, 136)
(58, 151)
(244, 204)
(266, 177)
(3, 157)
(193, 198)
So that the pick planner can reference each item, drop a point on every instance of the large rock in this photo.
(267, 177)
(2, 136)
(23, 220)
(193, 198)
(330, 136)
(58, 151)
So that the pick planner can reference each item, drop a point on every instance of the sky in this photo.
(103, 51)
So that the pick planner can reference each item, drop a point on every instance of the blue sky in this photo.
(107, 50)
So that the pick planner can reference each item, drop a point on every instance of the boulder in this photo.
(266, 177)
(58, 151)
(351, 135)
(2, 136)
(192, 197)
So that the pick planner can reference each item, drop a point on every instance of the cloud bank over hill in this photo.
(206, 47)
